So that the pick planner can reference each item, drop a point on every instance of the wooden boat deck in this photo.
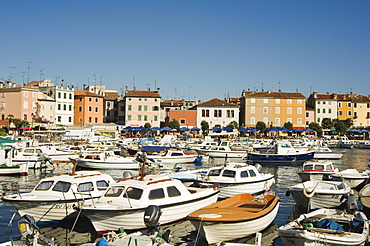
(237, 208)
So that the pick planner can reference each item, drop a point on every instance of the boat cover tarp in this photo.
(328, 224)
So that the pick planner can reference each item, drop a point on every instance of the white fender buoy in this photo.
(308, 194)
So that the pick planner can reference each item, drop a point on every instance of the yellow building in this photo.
(272, 108)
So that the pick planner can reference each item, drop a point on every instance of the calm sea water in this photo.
(183, 232)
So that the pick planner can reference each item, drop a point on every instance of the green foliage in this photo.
(3, 132)
(174, 124)
(349, 122)
(288, 125)
(315, 126)
(233, 124)
(261, 126)
(341, 126)
(327, 123)
(147, 125)
(204, 126)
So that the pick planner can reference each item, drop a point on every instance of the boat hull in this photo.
(232, 189)
(215, 232)
(110, 219)
(277, 158)
(107, 165)
(295, 234)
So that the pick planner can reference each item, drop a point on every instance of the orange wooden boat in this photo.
(235, 217)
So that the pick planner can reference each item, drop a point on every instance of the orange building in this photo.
(88, 108)
(186, 118)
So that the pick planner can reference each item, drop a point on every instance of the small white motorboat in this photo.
(326, 153)
(352, 177)
(171, 156)
(124, 203)
(236, 178)
(105, 160)
(317, 170)
(54, 198)
(326, 227)
(319, 194)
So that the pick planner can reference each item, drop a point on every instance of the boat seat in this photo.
(248, 206)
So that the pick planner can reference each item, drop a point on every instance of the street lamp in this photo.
(32, 120)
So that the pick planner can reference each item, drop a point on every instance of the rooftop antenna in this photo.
(133, 82)
(155, 84)
(279, 86)
(175, 93)
(101, 80)
(10, 76)
(41, 74)
(56, 80)
(148, 86)
(28, 72)
(94, 78)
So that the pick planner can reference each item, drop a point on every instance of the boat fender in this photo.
(216, 185)
(287, 193)
(102, 242)
(308, 194)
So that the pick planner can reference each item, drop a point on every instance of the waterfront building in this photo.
(64, 99)
(88, 108)
(216, 112)
(361, 110)
(272, 108)
(325, 106)
(139, 107)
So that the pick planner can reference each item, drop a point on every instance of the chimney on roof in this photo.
(158, 90)
(84, 87)
(314, 94)
(134, 88)
(126, 88)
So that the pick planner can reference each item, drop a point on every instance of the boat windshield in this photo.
(214, 172)
(114, 192)
(62, 186)
(45, 185)
(88, 186)
(102, 184)
(133, 193)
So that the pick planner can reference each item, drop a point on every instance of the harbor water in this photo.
(183, 233)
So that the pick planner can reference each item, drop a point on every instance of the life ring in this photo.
(308, 194)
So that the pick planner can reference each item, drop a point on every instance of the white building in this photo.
(217, 113)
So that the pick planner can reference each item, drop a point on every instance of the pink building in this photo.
(142, 107)
(19, 101)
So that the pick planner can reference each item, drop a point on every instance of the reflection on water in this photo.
(183, 232)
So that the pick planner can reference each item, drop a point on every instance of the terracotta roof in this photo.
(325, 97)
(86, 93)
(215, 102)
(111, 96)
(34, 83)
(358, 98)
(272, 94)
(171, 103)
(136, 93)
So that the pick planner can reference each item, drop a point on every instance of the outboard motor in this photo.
(30, 232)
(151, 218)
(177, 167)
(127, 174)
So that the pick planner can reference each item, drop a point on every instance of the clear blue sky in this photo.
(189, 48)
